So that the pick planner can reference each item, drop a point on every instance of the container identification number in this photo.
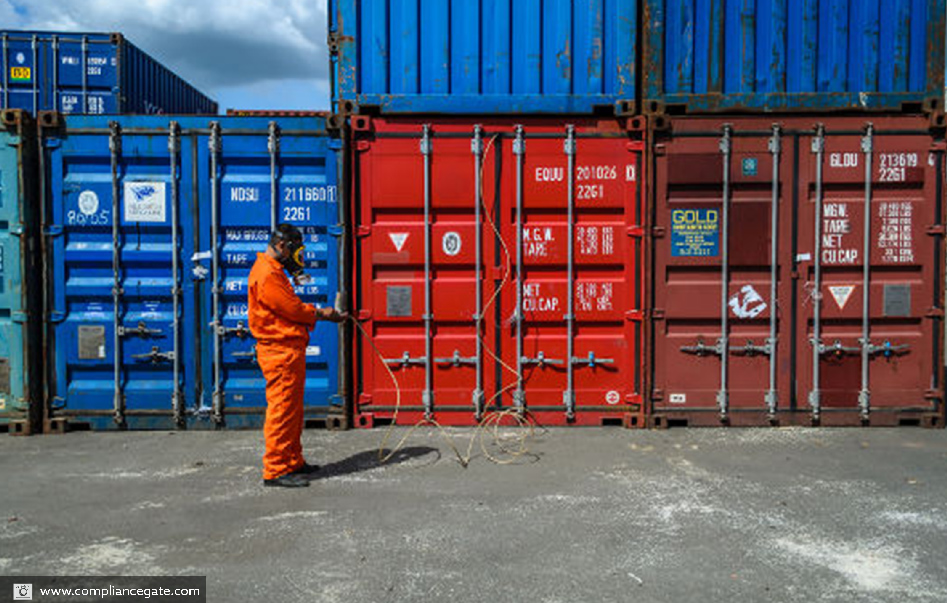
(309, 194)
(893, 166)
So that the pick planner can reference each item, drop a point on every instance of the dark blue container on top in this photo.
(92, 73)
(484, 56)
(148, 314)
(792, 55)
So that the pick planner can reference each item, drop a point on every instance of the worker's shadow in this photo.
(372, 459)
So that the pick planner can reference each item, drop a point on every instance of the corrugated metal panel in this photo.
(222, 215)
(790, 211)
(20, 371)
(484, 56)
(776, 55)
(556, 276)
(99, 74)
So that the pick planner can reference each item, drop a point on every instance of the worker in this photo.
(281, 323)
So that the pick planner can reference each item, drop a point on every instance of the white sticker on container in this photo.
(678, 398)
(101, 351)
(313, 350)
(398, 239)
(451, 243)
(841, 294)
(201, 255)
(145, 202)
(804, 257)
(88, 203)
(747, 303)
(612, 398)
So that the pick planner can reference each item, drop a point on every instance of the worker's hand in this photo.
(332, 315)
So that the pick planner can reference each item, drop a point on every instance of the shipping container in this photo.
(148, 312)
(483, 56)
(779, 55)
(498, 266)
(20, 315)
(798, 271)
(91, 73)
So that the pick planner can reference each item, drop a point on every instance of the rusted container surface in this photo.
(827, 319)
(533, 225)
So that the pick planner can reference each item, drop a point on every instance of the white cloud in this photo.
(211, 43)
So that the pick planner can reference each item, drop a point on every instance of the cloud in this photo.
(211, 43)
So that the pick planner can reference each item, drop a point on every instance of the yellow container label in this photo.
(21, 74)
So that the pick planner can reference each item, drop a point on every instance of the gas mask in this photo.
(293, 259)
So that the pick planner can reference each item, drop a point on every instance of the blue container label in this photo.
(695, 233)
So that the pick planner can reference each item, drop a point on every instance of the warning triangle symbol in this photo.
(398, 239)
(841, 293)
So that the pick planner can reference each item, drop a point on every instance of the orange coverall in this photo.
(280, 322)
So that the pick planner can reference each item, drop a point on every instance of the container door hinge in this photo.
(19, 317)
(935, 313)
(660, 150)
(939, 147)
(365, 399)
(657, 314)
(334, 42)
(934, 394)
(335, 231)
(13, 141)
(56, 316)
(657, 232)
(636, 231)
(335, 144)
(364, 315)
(657, 395)
(937, 230)
(363, 146)
(634, 315)
(53, 230)
(363, 231)
(17, 230)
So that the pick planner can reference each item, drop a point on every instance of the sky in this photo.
(245, 54)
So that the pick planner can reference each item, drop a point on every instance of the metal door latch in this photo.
(887, 349)
(591, 360)
(456, 359)
(155, 356)
(837, 349)
(702, 349)
(539, 360)
(141, 330)
(752, 350)
(240, 330)
(406, 360)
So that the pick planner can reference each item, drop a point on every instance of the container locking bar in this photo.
(240, 331)
(427, 396)
(177, 397)
(591, 360)
(273, 146)
(540, 360)
(568, 397)
(772, 396)
(723, 401)
(815, 396)
(142, 330)
(457, 360)
(476, 147)
(115, 151)
(156, 356)
(214, 144)
(864, 396)
(748, 349)
(406, 360)
(519, 150)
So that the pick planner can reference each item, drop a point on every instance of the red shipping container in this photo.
(456, 219)
(825, 318)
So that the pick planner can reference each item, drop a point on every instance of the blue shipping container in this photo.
(148, 314)
(483, 56)
(96, 74)
(792, 55)
(20, 367)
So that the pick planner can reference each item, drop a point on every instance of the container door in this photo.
(721, 213)
(870, 228)
(426, 271)
(572, 217)
(18, 343)
(120, 199)
(260, 174)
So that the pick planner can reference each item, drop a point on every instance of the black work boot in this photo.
(290, 480)
(306, 469)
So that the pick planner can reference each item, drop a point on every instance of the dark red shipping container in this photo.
(825, 317)
(456, 219)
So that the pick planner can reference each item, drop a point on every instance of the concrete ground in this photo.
(594, 515)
